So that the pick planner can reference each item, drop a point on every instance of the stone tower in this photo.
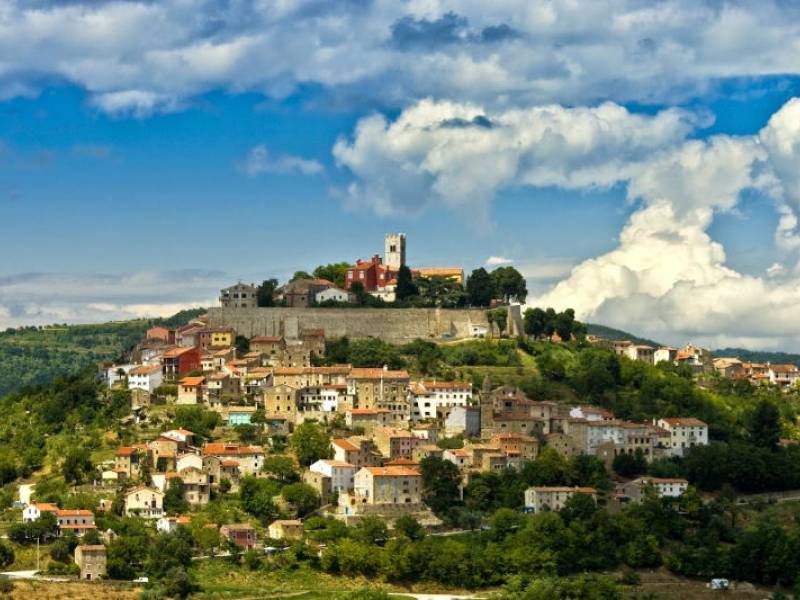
(395, 250)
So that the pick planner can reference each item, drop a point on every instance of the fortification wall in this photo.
(393, 325)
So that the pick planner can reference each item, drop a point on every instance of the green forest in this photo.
(30, 355)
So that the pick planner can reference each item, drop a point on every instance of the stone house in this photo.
(285, 529)
(144, 502)
(554, 498)
(91, 560)
(240, 295)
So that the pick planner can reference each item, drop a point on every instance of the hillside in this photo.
(610, 333)
(761, 356)
(32, 355)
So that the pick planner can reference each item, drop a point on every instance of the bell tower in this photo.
(394, 255)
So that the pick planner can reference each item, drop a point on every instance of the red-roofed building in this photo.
(176, 362)
(77, 522)
(159, 332)
(249, 458)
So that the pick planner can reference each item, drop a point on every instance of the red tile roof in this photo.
(393, 472)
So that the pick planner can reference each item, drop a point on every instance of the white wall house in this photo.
(145, 377)
(341, 473)
(335, 294)
(430, 398)
(665, 354)
(684, 433)
(640, 352)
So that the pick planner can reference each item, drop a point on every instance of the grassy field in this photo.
(220, 580)
(77, 590)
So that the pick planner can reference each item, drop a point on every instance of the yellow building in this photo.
(380, 388)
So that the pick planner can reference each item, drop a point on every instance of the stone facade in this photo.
(392, 325)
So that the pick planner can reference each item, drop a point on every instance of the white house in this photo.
(171, 524)
(182, 436)
(186, 461)
(335, 294)
(34, 511)
(684, 433)
(664, 487)
(641, 352)
(145, 502)
(145, 377)
(665, 354)
(433, 399)
(783, 374)
(341, 473)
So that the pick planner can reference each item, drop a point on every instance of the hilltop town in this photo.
(318, 445)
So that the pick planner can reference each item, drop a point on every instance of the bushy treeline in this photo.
(689, 537)
(428, 357)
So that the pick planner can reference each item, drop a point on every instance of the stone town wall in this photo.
(393, 325)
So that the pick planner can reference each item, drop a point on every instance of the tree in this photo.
(372, 530)
(196, 419)
(256, 497)
(630, 465)
(177, 583)
(335, 272)
(124, 555)
(169, 551)
(62, 549)
(6, 554)
(579, 507)
(242, 344)
(509, 284)
(266, 291)
(765, 425)
(440, 483)
(300, 275)
(564, 325)
(303, 498)
(361, 295)
(409, 527)
(281, 468)
(405, 284)
(246, 432)
(535, 320)
(310, 443)
(174, 501)
(480, 288)
(77, 464)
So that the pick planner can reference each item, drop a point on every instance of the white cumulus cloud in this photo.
(139, 56)
(463, 154)
(667, 277)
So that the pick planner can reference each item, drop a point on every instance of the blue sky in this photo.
(633, 160)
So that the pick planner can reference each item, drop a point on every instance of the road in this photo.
(440, 596)
(31, 575)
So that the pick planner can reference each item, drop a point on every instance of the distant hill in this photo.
(31, 355)
(761, 356)
(610, 333)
